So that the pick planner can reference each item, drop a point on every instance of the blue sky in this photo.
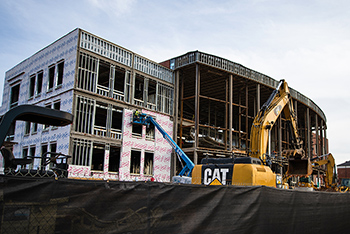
(307, 43)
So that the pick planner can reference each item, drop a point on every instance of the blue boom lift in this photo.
(144, 119)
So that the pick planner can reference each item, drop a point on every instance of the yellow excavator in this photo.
(329, 178)
(298, 163)
(254, 170)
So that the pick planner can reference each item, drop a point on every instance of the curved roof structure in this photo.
(238, 69)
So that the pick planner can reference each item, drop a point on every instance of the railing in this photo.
(105, 48)
(153, 69)
(240, 70)
(151, 106)
(121, 55)
(102, 90)
(138, 102)
(100, 131)
(116, 134)
(118, 95)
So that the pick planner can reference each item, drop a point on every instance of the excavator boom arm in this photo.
(279, 100)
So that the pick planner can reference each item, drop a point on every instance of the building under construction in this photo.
(217, 101)
(205, 102)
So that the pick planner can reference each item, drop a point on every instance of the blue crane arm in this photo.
(146, 120)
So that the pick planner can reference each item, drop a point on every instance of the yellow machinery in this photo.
(330, 178)
(279, 100)
(330, 165)
(239, 171)
(253, 170)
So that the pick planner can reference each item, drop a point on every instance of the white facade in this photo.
(101, 84)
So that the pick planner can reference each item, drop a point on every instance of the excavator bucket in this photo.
(299, 167)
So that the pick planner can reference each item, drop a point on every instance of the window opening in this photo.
(98, 155)
(152, 95)
(26, 128)
(14, 96)
(84, 114)
(44, 149)
(135, 162)
(117, 122)
(127, 91)
(32, 153)
(165, 99)
(103, 78)
(60, 69)
(119, 83)
(53, 148)
(51, 78)
(87, 72)
(137, 130)
(81, 152)
(31, 86)
(39, 83)
(11, 132)
(148, 166)
(139, 89)
(150, 132)
(57, 105)
(24, 155)
(100, 119)
(34, 128)
(114, 159)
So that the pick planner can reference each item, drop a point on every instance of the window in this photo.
(44, 148)
(84, 114)
(31, 86)
(151, 94)
(137, 130)
(139, 89)
(25, 152)
(81, 152)
(119, 79)
(114, 159)
(32, 153)
(24, 155)
(165, 99)
(14, 96)
(26, 128)
(148, 166)
(11, 132)
(98, 156)
(128, 86)
(60, 68)
(100, 119)
(51, 78)
(117, 122)
(150, 132)
(57, 105)
(103, 78)
(34, 128)
(87, 72)
(39, 83)
(135, 162)
(53, 149)
(119, 84)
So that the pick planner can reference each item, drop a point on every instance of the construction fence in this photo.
(49, 205)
